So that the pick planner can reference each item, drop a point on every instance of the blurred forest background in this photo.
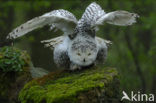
(133, 51)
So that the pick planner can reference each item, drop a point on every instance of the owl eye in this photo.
(78, 54)
(89, 54)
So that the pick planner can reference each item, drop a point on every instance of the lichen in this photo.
(66, 87)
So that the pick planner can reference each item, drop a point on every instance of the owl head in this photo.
(82, 52)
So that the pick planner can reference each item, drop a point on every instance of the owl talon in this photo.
(79, 68)
(74, 67)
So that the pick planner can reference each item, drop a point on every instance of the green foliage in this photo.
(11, 59)
(68, 86)
(14, 73)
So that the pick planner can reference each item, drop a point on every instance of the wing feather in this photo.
(52, 43)
(90, 16)
(121, 18)
(93, 12)
(100, 41)
(61, 19)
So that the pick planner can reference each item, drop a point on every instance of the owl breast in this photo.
(82, 51)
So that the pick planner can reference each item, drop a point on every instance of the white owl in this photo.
(79, 46)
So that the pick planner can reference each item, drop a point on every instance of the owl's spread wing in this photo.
(60, 19)
(121, 18)
(100, 41)
(92, 13)
(52, 43)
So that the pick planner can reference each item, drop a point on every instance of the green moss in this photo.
(65, 86)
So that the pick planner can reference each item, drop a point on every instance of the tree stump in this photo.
(93, 85)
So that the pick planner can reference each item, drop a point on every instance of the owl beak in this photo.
(84, 60)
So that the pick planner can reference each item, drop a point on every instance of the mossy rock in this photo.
(94, 85)
(14, 73)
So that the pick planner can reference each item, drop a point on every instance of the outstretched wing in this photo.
(100, 41)
(121, 18)
(52, 43)
(92, 13)
(94, 16)
(60, 19)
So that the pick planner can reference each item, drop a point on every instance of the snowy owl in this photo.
(79, 46)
